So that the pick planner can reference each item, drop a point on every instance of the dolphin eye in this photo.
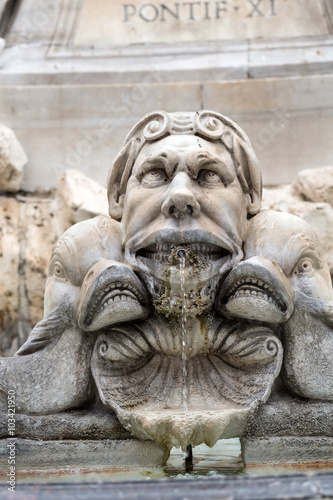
(59, 272)
(304, 266)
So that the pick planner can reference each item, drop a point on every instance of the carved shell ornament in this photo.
(138, 370)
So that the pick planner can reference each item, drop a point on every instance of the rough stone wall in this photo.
(29, 230)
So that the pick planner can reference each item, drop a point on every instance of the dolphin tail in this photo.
(328, 319)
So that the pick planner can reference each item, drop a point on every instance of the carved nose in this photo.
(180, 200)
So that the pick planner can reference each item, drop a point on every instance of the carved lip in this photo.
(258, 290)
(254, 287)
(114, 295)
(162, 246)
(167, 253)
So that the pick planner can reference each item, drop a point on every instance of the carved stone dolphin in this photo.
(291, 244)
(51, 371)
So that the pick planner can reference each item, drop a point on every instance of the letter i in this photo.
(273, 13)
(206, 4)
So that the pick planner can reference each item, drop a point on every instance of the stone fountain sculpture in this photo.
(188, 306)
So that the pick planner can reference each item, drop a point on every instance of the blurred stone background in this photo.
(75, 76)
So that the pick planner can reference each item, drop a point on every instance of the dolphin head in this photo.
(86, 271)
(284, 267)
(293, 245)
(111, 293)
(78, 249)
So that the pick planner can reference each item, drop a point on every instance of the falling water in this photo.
(182, 263)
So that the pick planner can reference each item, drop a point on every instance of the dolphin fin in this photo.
(45, 331)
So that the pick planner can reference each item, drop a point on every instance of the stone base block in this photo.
(88, 424)
(287, 416)
(287, 450)
(90, 455)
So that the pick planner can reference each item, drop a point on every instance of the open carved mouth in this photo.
(254, 287)
(257, 290)
(170, 254)
(112, 293)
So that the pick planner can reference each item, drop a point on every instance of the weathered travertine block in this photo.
(29, 230)
(12, 160)
(92, 423)
(289, 450)
(80, 197)
(315, 185)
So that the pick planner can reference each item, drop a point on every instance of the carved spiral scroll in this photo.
(251, 346)
(156, 127)
(103, 348)
(210, 125)
(271, 347)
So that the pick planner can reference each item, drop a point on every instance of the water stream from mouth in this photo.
(182, 264)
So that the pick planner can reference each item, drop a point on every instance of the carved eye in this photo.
(304, 266)
(154, 177)
(59, 272)
(208, 177)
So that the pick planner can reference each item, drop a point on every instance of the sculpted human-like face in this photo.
(184, 199)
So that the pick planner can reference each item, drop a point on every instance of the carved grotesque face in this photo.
(184, 201)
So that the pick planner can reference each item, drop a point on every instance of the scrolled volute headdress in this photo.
(209, 125)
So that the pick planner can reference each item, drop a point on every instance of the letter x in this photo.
(255, 8)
